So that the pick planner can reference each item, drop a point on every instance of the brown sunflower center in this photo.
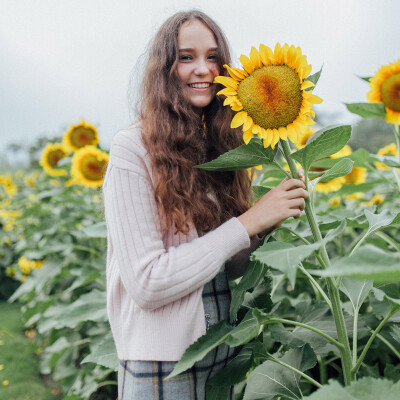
(92, 168)
(82, 136)
(390, 91)
(272, 96)
(55, 156)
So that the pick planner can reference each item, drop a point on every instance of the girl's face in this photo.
(198, 62)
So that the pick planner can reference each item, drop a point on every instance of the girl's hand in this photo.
(283, 201)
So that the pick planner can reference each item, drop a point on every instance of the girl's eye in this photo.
(213, 56)
(184, 58)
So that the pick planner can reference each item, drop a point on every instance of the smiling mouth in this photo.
(199, 85)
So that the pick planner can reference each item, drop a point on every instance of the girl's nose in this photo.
(201, 67)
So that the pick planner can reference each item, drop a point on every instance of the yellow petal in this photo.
(267, 141)
(247, 135)
(306, 71)
(282, 133)
(236, 108)
(235, 73)
(266, 54)
(292, 133)
(248, 123)
(306, 85)
(229, 100)
(227, 92)
(315, 99)
(278, 53)
(227, 81)
(275, 139)
(239, 119)
(247, 64)
(255, 58)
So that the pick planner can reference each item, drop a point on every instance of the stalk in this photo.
(355, 331)
(370, 340)
(337, 312)
(396, 131)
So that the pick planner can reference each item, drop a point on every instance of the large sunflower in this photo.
(80, 135)
(88, 166)
(270, 94)
(385, 88)
(51, 155)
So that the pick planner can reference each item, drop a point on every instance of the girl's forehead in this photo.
(194, 34)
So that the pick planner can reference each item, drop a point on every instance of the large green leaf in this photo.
(379, 221)
(285, 257)
(322, 144)
(356, 291)
(243, 157)
(258, 192)
(214, 336)
(367, 110)
(235, 372)
(341, 168)
(90, 306)
(363, 389)
(98, 230)
(104, 354)
(247, 329)
(367, 263)
(270, 379)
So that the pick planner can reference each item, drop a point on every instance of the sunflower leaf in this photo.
(258, 192)
(365, 78)
(367, 263)
(367, 110)
(314, 78)
(323, 143)
(341, 168)
(243, 157)
(365, 389)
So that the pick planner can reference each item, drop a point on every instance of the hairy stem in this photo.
(370, 340)
(337, 312)
(388, 239)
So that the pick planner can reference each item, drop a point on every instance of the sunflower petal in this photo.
(306, 85)
(235, 73)
(227, 92)
(292, 133)
(236, 108)
(266, 54)
(247, 64)
(282, 133)
(267, 141)
(247, 135)
(315, 99)
(239, 119)
(227, 81)
(248, 123)
(255, 58)
(229, 100)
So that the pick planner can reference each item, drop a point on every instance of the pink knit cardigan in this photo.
(155, 280)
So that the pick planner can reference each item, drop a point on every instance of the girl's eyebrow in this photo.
(190, 49)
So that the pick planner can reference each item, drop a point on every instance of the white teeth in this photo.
(199, 85)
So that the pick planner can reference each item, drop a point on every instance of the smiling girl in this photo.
(177, 233)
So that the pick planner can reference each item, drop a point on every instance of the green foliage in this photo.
(364, 389)
(242, 157)
(367, 110)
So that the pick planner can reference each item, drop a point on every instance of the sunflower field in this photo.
(316, 314)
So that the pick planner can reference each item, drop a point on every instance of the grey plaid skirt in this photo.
(144, 380)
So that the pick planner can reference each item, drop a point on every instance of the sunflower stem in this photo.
(396, 131)
(345, 352)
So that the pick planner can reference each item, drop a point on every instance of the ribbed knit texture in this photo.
(155, 280)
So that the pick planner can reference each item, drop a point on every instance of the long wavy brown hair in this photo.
(177, 138)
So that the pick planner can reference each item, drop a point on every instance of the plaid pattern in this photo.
(143, 380)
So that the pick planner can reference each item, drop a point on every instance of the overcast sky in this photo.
(64, 60)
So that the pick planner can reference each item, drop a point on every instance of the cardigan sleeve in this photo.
(151, 274)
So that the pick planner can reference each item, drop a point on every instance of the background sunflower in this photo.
(51, 155)
(80, 135)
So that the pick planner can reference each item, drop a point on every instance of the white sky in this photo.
(63, 60)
